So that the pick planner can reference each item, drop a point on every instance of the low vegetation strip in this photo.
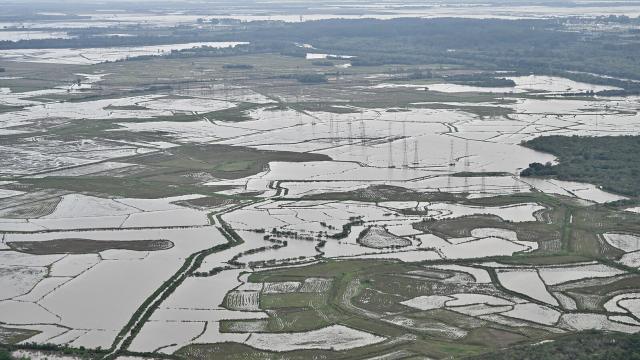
(86, 246)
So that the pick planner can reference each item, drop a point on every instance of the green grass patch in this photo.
(289, 300)
(221, 161)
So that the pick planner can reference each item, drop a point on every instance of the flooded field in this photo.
(191, 208)
(97, 55)
(418, 150)
(296, 11)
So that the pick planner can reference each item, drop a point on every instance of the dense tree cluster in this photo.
(522, 46)
(611, 162)
(346, 228)
(307, 78)
(237, 66)
(482, 80)
(538, 169)
(311, 78)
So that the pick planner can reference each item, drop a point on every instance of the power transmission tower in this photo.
(390, 157)
(452, 164)
(452, 161)
(225, 90)
(313, 127)
(297, 110)
(331, 139)
(363, 133)
(466, 166)
(405, 160)
(467, 163)
(363, 141)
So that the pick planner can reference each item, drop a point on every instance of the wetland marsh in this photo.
(229, 198)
